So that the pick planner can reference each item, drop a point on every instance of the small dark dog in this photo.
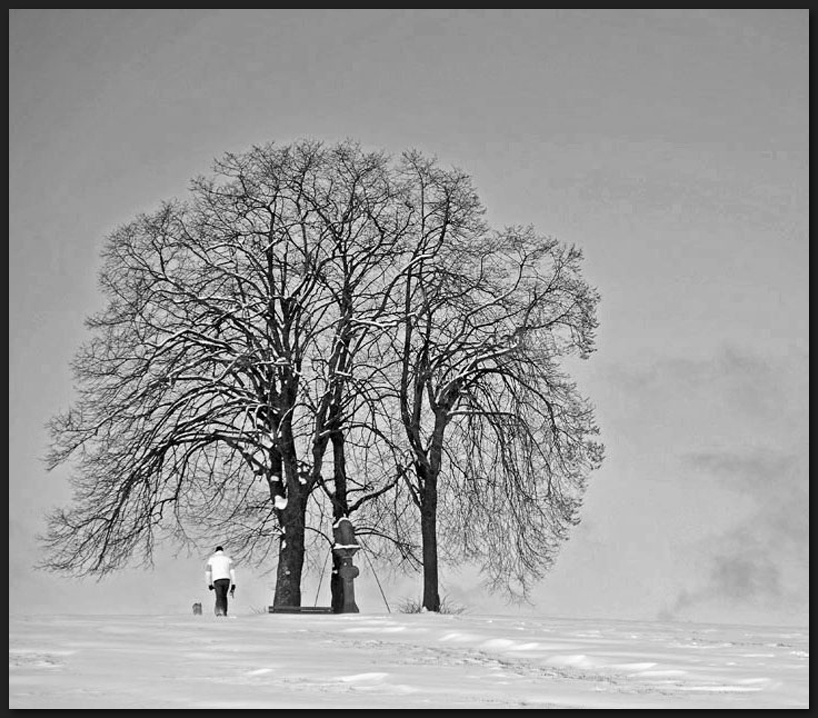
(197, 609)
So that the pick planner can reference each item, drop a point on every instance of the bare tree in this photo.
(318, 332)
(498, 436)
(220, 370)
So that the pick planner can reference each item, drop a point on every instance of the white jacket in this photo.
(220, 565)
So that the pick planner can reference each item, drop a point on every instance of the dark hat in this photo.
(219, 548)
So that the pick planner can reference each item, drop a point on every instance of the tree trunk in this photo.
(290, 561)
(340, 508)
(293, 518)
(336, 586)
(428, 532)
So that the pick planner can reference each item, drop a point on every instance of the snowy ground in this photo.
(397, 660)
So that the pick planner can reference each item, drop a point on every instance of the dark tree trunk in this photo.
(428, 532)
(336, 586)
(290, 562)
(340, 508)
(292, 518)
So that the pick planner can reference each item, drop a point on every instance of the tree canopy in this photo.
(315, 332)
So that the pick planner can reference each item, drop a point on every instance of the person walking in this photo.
(221, 578)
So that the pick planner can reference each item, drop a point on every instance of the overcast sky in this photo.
(671, 146)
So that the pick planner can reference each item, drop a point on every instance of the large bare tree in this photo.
(499, 441)
(315, 332)
(219, 371)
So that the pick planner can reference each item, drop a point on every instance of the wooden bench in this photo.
(299, 609)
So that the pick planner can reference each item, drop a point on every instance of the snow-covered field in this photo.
(398, 660)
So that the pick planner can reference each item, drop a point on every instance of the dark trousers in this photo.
(221, 586)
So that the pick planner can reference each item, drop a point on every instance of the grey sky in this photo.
(671, 146)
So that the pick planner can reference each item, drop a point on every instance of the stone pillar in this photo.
(344, 548)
